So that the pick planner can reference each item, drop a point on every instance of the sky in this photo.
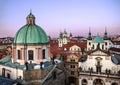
(55, 16)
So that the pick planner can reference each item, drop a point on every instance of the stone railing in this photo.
(106, 73)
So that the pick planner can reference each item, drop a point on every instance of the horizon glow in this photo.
(76, 16)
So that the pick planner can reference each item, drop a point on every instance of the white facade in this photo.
(93, 70)
(93, 45)
(63, 39)
(10, 72)
(105, 62)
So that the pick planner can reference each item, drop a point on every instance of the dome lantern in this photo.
(30, 19)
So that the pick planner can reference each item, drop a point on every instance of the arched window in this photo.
(3, 72)
(98, 64)
(30, 54)
(18, 52)
(114, 83)
(84, 82)
(8, 75)
(102, 47)
(98, 82)
(93, 46)
(89, 43)
(43, 53)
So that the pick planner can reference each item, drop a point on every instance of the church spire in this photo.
(31, 11)
(65, 31)
(70, 37)
(89, 35)
(105, 31)
(105, 34)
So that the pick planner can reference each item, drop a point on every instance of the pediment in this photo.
(99, 52)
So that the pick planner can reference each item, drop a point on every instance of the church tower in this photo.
(89, 41)
(62, 38)
(106, 39)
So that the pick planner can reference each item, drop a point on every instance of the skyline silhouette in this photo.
(74, 16)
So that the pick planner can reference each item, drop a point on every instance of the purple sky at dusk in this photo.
(76, 16)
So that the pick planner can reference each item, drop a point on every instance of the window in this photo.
(84, 82)
(98, 82)
(114, 83)
(72, 73)
(30, 54)
(8, 75)
(18, 54)
(105, 43)
(93, 47)
(103, 47)
(43, 53)
(89, 43)
(98, 64)
(72, 60)
(72, 66)
(3, 72)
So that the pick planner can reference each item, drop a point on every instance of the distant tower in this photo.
(89, 41)
(62, 38)
(106, 39)
(64, 34)
(70, 37)
(89, 35)
(105, 34)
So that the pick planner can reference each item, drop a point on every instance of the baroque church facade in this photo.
(100, 67)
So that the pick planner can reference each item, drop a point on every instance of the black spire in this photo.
(105, 34)
(89, 35)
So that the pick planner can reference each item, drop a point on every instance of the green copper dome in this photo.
(30, 33)
(97, 39)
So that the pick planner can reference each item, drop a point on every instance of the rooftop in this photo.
(98, 39)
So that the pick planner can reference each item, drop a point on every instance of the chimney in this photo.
(41, 63)
(26, 64)
(53, 62)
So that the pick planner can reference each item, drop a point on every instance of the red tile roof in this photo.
(79, 44)
(55, 49)
(114, 49)
(116, 42)
(2, 54)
